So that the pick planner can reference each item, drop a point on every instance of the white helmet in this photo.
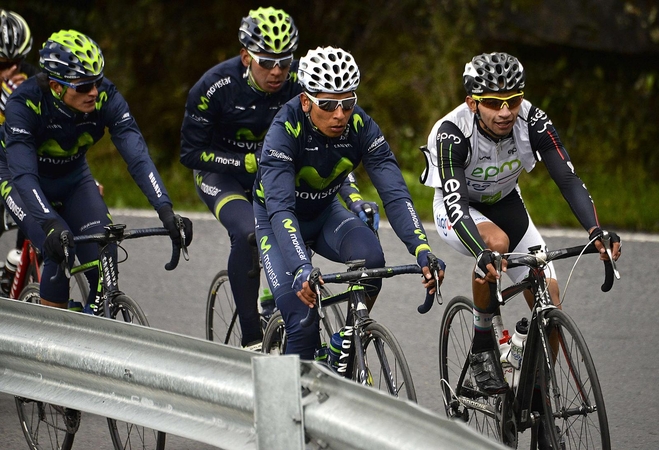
(328, 69)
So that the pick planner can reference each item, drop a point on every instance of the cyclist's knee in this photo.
(361, 243)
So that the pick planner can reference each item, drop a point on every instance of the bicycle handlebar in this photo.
(346, 277)
(435, 267)
(115, 233)
(538, 257)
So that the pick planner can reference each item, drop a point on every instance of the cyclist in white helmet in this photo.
(227, 114)
(314, 142)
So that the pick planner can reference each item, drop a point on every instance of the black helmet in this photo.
(15, 35)
(268, 30)
(493, 72)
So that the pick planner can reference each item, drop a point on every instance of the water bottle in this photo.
(504, 349)
(267, 302)
(13, 260)
(339, 350)
(517, 343)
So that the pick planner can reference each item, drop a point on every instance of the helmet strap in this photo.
(251, 81)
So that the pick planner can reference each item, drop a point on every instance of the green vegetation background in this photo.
(411, 55)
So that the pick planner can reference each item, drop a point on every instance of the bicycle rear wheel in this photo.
(45, 426)
(274, 335)
(575, 415)
(455, 336)
(127, 435)
(387, 367)
(222, 324)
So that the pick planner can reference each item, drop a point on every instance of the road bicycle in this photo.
(222, 321)
(28, 269)
(371, 355)
(568, 411)
(53, 426)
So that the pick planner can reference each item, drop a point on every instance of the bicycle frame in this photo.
(29, 256)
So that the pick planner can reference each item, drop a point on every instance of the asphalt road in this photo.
(619, 327)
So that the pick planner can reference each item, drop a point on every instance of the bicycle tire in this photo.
(386, 364)
(274, 334)
(45, 425)
(222, 324)
(575, 415)
(455, 337)
(126, 435)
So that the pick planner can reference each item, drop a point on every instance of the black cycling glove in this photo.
(171, 222)
(56, 232)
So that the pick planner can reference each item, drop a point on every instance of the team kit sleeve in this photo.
(549, 148)
(382, 168)
(128, 139)
(21, 151)
(452, 153)
(277, 186)
(203, 113)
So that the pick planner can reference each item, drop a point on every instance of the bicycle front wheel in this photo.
(455, 337)
(575, 415)
(222, 324)
(387, 368)
(125, 435)
(45, 426)
(274, 335)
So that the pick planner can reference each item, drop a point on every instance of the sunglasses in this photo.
(331, 104)
(270, 63)
(4, 65)
(498, 102)
(84, 87)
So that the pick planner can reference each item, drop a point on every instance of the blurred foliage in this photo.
(411, 55)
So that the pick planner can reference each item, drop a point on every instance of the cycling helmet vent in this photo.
(328, 69)
(493, 72)
(69, 55)
(15, 35)
(268, 30)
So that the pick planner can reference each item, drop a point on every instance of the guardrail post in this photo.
(278, 415)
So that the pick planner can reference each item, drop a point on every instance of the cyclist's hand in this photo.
(56, 230)
(251, 163)
(171, 221)
(425, 260)
(301, 285)
(616, 244)
(369, 212)
(484, 270)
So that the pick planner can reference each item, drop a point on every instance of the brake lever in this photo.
(606, 240)
(497, 266)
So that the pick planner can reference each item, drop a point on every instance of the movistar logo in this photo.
(199, 179)
(357, 121)
(421, 235)
(206, 157)
(264, 244)
(259, 191)
(203, 106)
(102, 98)
(294, 131)
(288, 224)
(311, 176)
(5, 189)
(245, 134)
(51, 147)
(35, 108)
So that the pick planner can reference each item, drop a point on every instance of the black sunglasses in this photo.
(330, 104)
(270, 63)
(82, 88)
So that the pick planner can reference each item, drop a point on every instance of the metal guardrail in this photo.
(207, 392)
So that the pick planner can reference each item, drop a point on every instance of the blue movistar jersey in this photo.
(226, 117)
(44, 139)
(302, 170)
